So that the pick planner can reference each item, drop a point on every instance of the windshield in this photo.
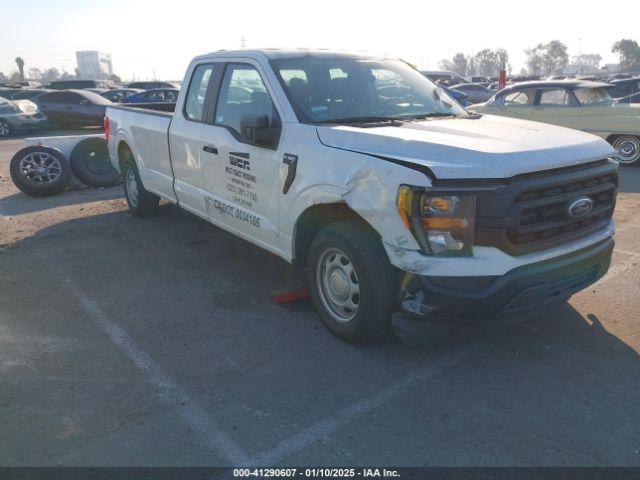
(591, 96)
(342, 89)
(7, 108)
(26, 106)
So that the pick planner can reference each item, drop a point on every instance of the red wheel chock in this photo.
(289, 295)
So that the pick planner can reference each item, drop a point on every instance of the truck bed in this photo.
(147, 128)
(161, 108)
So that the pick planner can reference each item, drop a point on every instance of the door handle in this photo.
(210, 149)
(292, 162)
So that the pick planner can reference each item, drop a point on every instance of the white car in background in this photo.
(19, 115)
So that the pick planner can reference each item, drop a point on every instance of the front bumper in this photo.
(519, 290)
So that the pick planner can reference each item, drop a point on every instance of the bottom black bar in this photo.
(422, 473)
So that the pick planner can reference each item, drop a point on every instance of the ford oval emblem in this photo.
(580, 207)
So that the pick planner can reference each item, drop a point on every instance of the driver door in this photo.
(240, 165)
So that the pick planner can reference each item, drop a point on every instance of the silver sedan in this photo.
(19, 115)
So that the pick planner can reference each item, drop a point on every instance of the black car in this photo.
(152, 85)
(78, 84)
(73, 107)
(626, 90)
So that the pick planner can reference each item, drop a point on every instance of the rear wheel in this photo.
(628, 147)
(141, 202)
(351, 282)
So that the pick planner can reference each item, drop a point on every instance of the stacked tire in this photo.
(41, 171)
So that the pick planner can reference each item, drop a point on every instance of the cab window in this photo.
(245, 107)
(556, 96)
(592, 96)
(520, 98)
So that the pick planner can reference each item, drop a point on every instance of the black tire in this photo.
(628, 147)
(142, 203)
(90, 163)
(374, 281)
(5, 129)
(51, 180)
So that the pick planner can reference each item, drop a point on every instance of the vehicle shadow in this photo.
(552, 388)
(20, 203)
(629, 179)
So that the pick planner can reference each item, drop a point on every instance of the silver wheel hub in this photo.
(40, 168)
(132, 188)
(628, 150)
(4, 129)
(338, 285)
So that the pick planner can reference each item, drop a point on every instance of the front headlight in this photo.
(442, 223)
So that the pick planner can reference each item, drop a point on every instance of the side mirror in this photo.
(254, 122)
(257, 129)
(84, 102)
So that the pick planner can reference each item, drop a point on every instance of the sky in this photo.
(150, 39)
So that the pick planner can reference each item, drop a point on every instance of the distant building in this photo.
(93, 65)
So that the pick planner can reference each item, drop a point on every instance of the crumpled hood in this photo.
(485, 147)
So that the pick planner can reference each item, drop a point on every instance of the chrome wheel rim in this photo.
(4, 129)
(628, 149)
(338, 285)
(132, 188)
(40, 168)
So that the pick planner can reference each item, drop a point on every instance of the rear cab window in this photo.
(194, 107)
(592, 96)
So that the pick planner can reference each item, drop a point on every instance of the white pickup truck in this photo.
(362, 170)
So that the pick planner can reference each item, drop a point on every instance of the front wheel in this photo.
(628, 147)
(351, 282)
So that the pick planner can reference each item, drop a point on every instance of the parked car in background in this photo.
(575, 104)
(73, 107)
(21, 84)
(120, 94)
(444, 77)
(78, 84)
(478, 79)
(458, 96)
(99, 91)
(168, 95)
(625, 90)
(153, 85)
(475, 93)
(18, 115)
(27, 93)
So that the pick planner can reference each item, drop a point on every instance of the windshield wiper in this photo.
(431, 115)
(370, 119)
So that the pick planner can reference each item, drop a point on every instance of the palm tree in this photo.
(20, 63)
